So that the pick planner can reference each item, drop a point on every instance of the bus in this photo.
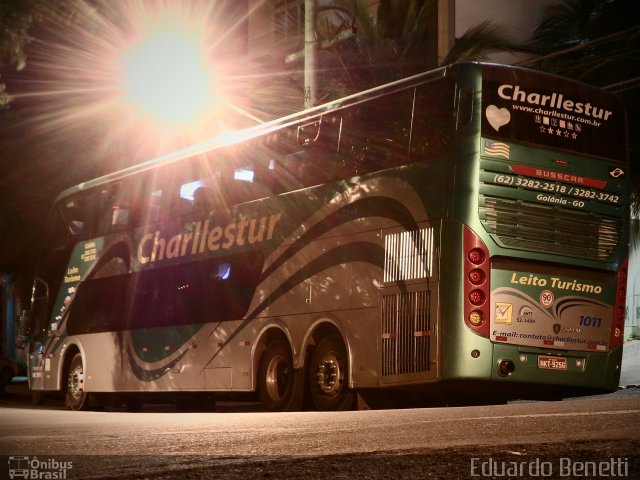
(463, 227)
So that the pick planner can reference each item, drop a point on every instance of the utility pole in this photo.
(310, 52)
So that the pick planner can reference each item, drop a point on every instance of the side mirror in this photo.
(26, 324)
(31, 321)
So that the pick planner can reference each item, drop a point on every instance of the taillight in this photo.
(476, 283)
(477, 276)
(476, 256)
(617, 328)
(477, 297)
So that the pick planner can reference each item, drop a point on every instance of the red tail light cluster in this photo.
(476, 283)
(617, 328)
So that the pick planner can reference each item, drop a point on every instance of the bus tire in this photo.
(280, 385)
(76, 398)
(37, 398)
(328, 376)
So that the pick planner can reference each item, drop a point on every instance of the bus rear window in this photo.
(534, 108)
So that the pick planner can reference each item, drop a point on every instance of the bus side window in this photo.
(110, 214)
(205, 199)
(77, 216)
(433, 119)
(376, 134)
(128, 205)
(199, 196)
(154, 207)
(305, 155)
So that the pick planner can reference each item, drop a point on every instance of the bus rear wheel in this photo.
(280, 385)
(328, 376)
(76, 398)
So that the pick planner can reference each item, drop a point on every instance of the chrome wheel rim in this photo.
(76, 382)
(277, 377)
(330, 375)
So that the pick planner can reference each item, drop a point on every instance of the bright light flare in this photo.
(165, 75)
(132, 80)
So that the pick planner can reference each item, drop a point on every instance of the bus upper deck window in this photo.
(120, 216)
(75, 214)
(205, 199)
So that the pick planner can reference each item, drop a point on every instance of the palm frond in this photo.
(478, 41)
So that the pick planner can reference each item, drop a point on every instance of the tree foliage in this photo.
(597, 42)
(396, 41)
(17, 18)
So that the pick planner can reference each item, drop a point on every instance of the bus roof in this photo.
(249, 133)
(238, 136)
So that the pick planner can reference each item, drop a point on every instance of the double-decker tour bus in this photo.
(464, 226)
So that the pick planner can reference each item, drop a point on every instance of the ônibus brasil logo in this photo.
(36, 468)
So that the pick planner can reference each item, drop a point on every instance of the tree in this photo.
(16, 20)
(394, 43)
(596, 41)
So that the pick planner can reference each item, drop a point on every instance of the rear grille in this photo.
(405, 333)
(550, 229)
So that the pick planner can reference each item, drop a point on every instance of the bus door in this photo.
(53, 291)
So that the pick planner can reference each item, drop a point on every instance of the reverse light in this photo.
(476, 318)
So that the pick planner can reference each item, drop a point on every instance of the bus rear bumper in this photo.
(588, 370)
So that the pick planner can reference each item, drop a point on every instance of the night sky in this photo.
(63, 127)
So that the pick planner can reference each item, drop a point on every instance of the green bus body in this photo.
(467, 226)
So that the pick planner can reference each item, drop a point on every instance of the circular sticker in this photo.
(546, 298)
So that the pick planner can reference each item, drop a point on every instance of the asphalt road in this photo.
(412, 443)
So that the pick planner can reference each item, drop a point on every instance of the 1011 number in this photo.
(587, 321)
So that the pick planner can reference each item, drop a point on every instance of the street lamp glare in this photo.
(166, 76)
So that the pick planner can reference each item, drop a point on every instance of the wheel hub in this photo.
(76, 382)
(329, 375)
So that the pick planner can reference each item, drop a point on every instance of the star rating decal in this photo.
(558, 127)
(558, 132)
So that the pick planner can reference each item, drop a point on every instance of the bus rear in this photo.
(545, 231)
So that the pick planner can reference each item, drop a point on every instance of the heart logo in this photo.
(497, 117)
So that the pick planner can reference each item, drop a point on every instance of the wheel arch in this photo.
(269, 333)
(71, 350)
(325, 327)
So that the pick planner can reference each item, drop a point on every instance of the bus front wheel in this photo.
(328, 376)
(76, 398)
(280, 385)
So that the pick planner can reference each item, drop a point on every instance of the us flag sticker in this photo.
(496, 149)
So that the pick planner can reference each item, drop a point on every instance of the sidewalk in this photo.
(630, 371)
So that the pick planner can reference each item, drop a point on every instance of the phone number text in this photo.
(533, 184)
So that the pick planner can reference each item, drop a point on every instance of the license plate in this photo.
(552, 363)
